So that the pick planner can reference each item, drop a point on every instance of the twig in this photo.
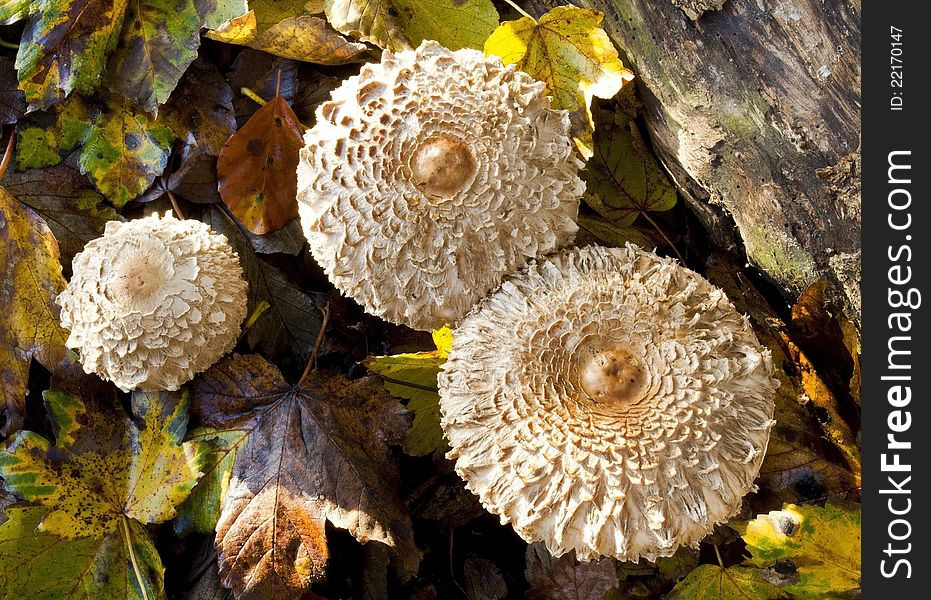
(662, 233)
(8, 153)
(174, 205)
(253, 96)
(520, 10)
(10, 45)
(313, 354)
(718, 553)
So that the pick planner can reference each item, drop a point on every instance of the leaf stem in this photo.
(252, 96)
(520, 10)
(663, 234)
(174, 205)
(8, 153)
(10, 45)
(409, 384)
(132, 556)
(718, 554)
(313, 353)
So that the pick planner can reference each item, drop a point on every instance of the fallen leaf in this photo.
(623, 178)
(125, 151)
(287, 29)
(315, 452)
(159, 40)
(12, 99)
(712, 582)
(823, 544)
(287, 240)
(287, 331)
(44, 138)
(12, 11)
(90, 567)
(482, 580)
(106, 477)
(609, 234)
(67, 202)
(564, 577)
(64, 48)
(375, 21)
(257, 168)
(454, 24)
(195, 181)
(200, 110)
(29, 324)
(567, 50)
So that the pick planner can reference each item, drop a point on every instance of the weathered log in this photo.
(754, 108)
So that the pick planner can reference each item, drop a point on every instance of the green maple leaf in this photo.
(103, 479)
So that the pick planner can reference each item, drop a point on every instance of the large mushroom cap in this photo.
(430, 176)
(608, 401)
(153, 302)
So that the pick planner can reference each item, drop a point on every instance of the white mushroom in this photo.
(153, 302)
(608, 401)
(431, 175)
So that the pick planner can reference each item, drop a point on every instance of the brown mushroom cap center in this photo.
(136, 279)
(613, 376)
(442, 165)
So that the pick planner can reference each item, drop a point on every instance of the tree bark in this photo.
(754, 106)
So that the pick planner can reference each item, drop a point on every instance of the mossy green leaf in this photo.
(569, 51)
(37, 564)
(822, 543)
(711, 582)
(413, 377)
(102, 469)
(45, 138)
(201, 511)
(453, 23)
(374, 21)
(12, 11)
(64, 48)
(125, 151)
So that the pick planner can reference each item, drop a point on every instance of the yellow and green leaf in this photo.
(44, 139)
(711, 582)
(453, 23)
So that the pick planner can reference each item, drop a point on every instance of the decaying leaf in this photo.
(413, 377)
(623, 179)
(482, 580)
(125, 151)
(64, 48)
(200, 110)
(104, 478)
(453, 23)
(47, 137)
(375, 21)
(567, 50)
(71, 207)
(286, 29)
(823, 544)
(12, 99)
(195, 180)
(564, 577)
(36, 561)
(315, 452)
(29, 327)
(257, 168)
(712, 582)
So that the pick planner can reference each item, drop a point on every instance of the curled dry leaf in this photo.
(315, 452)
(31, 272)
(257, 168)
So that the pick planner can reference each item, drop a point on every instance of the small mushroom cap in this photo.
(608, 401)
(153, 302)
(431, 175)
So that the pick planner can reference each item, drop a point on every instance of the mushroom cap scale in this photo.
(154, 301)
(608, 401)
(431, 175)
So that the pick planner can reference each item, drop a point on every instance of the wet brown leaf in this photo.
(315, 452)
(257, 168)
(564, 577)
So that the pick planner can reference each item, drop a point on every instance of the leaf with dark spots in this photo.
(195, 181)
(12, 100)
(64, 48)
(564, 577)
(101, 568)
(200, 110)
(257, 168)
(44, 138)
(29, 325)
(71, 207)
(286, 332)
(315, 452)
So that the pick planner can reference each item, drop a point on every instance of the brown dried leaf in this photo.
(12, 99)
(200, 110)
(257, 168)
(29, 327)
(315, 452)
(482, 580)
(564, 577)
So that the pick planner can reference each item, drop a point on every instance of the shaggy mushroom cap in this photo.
(430, 176)
(608, 401)
(153, 302)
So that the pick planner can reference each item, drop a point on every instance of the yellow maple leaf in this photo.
(567, 50)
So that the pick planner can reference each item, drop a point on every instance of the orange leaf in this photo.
(257, 168)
